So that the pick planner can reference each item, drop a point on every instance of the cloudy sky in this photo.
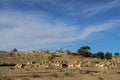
(54, 24)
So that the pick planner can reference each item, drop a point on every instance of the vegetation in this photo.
(39, 57)
(14, 50)
(51, 57)
(68, 74)
(108, 55)
(117, 54)
(67, 52)
(59, 50)
(35, 75)
(99, 55)
(84, 50)
(54, 75)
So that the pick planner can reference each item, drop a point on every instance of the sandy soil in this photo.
(87, 73)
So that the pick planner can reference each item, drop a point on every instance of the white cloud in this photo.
(67, 8)
(101, 8)
(96, 28)
(84, 8)
(30, 30)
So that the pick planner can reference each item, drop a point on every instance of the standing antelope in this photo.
(45, 64)
(74, 65)
(17, 66)
(57, 64)
(102, 67)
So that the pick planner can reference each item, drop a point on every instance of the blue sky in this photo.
(53, 24)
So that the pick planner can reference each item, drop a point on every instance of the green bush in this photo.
(108, 55)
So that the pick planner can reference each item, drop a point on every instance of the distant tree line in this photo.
(85, 51)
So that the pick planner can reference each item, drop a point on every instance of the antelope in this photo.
(71, 65)
(57, 64)
(29, 63)
(45, 64)
(112, 63)
(74, 65)
(17, 66)
(102, 67)
(78, 65)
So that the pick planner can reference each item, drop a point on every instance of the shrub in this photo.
(6, 78)
(68, 74)
(14, 50)
(67, 52)
(51, 57)
(99, 55)
(84, 51)
(108, 55)
(35, 76)
(117, 54)
(54, 75)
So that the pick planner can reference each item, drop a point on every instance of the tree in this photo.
(60, 50)
(108, 55)
(67, 52)
(84, 50)
(117, 54)
(99, 55)
(14, 50)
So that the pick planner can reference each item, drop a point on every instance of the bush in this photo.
(117, 54)
(35, 76)
(99, 55)
(68, 74)
(51, 57)
(6, 78)
(67, 52)
(54, 75)
(84, 51)
(108, 55)
(14, 50)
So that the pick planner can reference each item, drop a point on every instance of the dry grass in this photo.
(87, 73)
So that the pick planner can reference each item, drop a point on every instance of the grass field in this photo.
(37, 73)
(88, 73)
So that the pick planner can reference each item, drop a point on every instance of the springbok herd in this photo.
(103, 66)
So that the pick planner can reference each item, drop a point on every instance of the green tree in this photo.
(14, 50)
(99, 55)
(108, 55)
(67, 52)
(60, 50)
(117, 54)
(84, 50)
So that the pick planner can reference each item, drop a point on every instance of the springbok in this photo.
(102, 67)
(17, 66)
(29, 63)
(74, 65)
(71, 65)
(45, 64)
(78, 65)
(57, 64)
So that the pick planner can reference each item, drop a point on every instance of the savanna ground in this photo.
(87, 73)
